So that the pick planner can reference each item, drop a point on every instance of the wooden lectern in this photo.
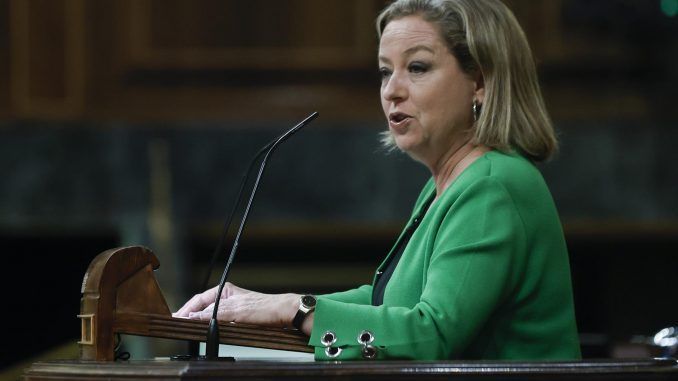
(121, 296)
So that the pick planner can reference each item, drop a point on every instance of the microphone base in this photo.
(200, 358)
(226, 358)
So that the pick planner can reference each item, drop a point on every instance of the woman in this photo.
(481, 270)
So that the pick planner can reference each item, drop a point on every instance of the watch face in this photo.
(308, 301)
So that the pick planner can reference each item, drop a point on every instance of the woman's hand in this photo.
(243, 306)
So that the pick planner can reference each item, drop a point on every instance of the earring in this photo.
(476, 110)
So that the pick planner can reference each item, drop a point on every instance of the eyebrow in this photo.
(410, 51)
(416, 48)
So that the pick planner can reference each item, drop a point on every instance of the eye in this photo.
(384, 73)
(418, 67)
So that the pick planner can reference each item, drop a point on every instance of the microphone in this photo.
(221, 246)
(212, 342)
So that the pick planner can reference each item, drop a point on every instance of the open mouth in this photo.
(398, 117)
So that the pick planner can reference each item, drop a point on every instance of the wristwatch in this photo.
(306, 306)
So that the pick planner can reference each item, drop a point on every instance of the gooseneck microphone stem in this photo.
(212, 342)
(221, 246)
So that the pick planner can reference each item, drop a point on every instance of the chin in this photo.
(405, 143)
(412, 153)
(411, 148)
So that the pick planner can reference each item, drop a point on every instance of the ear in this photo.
(479, 92)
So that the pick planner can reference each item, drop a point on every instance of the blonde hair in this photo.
(485, 37)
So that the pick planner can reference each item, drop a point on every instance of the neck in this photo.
(453, 163)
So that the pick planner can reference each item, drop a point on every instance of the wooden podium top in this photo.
(645, 369)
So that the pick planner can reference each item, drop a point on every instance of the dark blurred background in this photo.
(126, 122)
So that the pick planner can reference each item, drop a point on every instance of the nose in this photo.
(394, 89)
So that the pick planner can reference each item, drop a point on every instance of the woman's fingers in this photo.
(197, 303)
(243, 306)
(205, 314)
(227, 311)
(253, 308)
(200, 301)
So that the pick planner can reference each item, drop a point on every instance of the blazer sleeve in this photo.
(474, 248)
(360, 295)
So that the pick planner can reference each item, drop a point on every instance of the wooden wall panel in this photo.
(230, 59)
(47, 67)
(173, 59)
(4, 59)
(556, 41)
(263, 34)
(45, 35)
(587, 74)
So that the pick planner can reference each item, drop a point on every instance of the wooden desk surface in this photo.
(643, 369)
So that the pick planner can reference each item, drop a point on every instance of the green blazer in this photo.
(485, 276)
